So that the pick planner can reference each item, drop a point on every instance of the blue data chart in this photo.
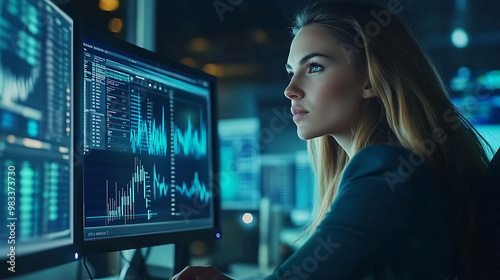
(191, 141)
(139, 190)
(146, 138)
(194, 189)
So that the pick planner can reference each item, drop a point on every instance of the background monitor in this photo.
(477, 95)
(36, 136)
(305, 189)
(288, 180)
(240, 164)
(149, 138)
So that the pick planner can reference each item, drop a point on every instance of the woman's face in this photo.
(325, 91)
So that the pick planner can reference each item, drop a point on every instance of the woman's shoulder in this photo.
(391, 162)
(383, 156)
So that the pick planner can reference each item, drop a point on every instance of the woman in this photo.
(398, 167)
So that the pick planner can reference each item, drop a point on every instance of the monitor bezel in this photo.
(88, 247)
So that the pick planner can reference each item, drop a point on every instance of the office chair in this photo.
(489, 220)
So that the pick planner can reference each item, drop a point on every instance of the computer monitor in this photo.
(240, 163)
(36, 136)
(288, 181)
(477, 95)
(150, 163)
(278, 179)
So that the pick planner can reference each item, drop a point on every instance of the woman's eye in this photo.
(311, 69)
(314, 68)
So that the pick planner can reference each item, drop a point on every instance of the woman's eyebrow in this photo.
(305, 59)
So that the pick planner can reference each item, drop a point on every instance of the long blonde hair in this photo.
(401, 76)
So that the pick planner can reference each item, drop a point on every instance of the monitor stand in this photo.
(182, 257)
(139, 270)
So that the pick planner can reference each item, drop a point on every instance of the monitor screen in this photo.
(278, 179)
(240, 166)
(288, 180)
(36, 135)
(477, 95)
(304, 181)
(148, 165)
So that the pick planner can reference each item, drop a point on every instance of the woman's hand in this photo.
(200, 273)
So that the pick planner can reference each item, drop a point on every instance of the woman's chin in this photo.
(305, 135)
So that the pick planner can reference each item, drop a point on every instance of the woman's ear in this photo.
(368, 91)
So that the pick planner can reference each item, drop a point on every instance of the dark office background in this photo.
(246, 46)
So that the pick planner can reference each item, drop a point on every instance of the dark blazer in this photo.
(388, 221)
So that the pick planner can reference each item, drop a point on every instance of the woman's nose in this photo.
(292, 91)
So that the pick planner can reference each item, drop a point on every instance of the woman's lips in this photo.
(298, 113)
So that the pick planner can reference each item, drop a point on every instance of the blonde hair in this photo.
(401, 75)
